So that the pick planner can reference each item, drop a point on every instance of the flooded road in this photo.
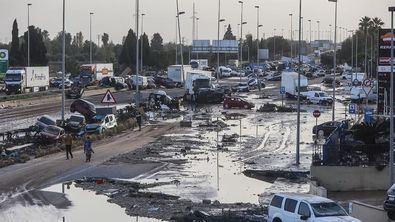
(75, 205)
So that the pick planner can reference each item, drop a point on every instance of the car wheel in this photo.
(391, 215)
(277, 220)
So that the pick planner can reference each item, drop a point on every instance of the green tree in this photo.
(146, 49)
(16, 56)
(229, 34)
(38, 51)
(105, 38)
(128, 54)
(157, 42)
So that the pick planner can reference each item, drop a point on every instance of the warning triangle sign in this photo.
(108, 98)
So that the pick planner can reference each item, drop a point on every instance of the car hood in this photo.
(93, 126)
(337, 219)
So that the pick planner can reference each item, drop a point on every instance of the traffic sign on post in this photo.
(316, 113)
(108, 98)
(352, 108)
(282, 90)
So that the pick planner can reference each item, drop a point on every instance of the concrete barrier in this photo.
(368, 213)
(344, 178)
(317, 190)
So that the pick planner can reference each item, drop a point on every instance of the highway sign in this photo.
(282, 90)
(108, 98)
(367, 83)
(4, 54)
(352, 108)
(316, 113)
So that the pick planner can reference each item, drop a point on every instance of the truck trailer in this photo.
(91, 73)
(19, 80)
(174, 73)
(289, 81)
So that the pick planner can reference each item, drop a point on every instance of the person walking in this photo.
(140, 114)
(68, 141)
(88, 149)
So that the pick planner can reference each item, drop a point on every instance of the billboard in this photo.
(384, 68)
(263, 54)
(221, 46)
(3, 63)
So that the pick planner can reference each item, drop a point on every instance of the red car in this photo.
(234, 102)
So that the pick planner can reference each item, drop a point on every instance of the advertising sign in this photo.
(384, 69)
(3, 63)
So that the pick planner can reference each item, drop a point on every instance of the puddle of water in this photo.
(85, 206)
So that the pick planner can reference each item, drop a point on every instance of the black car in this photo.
(159, 98)
(327, 128)
(328, 81)
(85, 108)
(75, 92)
(165, 82)
(210, 96)
(75, 123)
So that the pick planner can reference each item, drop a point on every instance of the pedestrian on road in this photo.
(88, 149)
(68, 141)
(140, 113)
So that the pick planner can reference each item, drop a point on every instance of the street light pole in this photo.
(241, 34)
(310, 29)
(141, 41)
(257, 34)
(318, 31)
(391, 163)
(299, 67)
(180, 40)
(334, 64)
(137, 53)
(28, 34)
(291, 37)
(63, 60)
(274, 44)
(218, 23)
(90, 38)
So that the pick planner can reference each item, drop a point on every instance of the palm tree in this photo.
(364, 24)
(376, 25)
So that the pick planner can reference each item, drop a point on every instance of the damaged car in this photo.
(159, 98)
(51, 135)
(75, 123)
(235, 102)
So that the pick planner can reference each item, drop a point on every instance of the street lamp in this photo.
(274, 44)
(219, 23)
(310, 29)
(318, 33)
(90, 37)
(28, 34)
(141, 41)
(241, 33)
(257, 34)
(391, 163)
(291, 38)
(330, 32)
(63, 60)
(180, 40)
(334, 64)
(299, 74)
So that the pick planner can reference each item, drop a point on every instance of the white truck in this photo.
(174, 73)
(90, 73)
(142, 81)
(197, 79)
(201, 63)
(289, 80)
(27, 79)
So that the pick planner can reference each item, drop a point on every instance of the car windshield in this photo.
(329, 209)
(47, 121)
(323, 95)
(76, 119)
(52, 130)
(98, 119)
(12, 77)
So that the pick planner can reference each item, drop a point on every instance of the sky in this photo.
(115, 17)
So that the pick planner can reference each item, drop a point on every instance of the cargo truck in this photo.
(289, 82)
(26, 79)
(174, 73)
(91, 73)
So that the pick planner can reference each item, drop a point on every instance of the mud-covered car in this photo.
(75, 92)
(213, 96)
(51, 135)
(75, 124)
(84, 107)
(156, 99)
(235, 102)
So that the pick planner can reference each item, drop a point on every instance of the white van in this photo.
(294, 207)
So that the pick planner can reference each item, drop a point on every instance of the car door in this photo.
(304, 211)
(290, 210)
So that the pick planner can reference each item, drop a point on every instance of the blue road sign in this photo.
(282, 90)
(352, 108)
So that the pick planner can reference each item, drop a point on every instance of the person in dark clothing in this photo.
(68, 141)
(88, 149)
(140, 113)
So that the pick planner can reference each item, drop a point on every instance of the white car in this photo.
(294, 207)
(101, 123)
(319, 97)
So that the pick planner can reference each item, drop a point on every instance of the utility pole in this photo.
(334, 64)
(180, 39)
(137, 53)
(291, 37)
(274, 44)
(299, 67)
(391, 163)
(310, 29)
(141, 42)
(63, 60)
(28, 34)
(219, 20)
(193, 23)
(241, 34)
(90, 38)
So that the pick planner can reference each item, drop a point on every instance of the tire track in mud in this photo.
(265, 144)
